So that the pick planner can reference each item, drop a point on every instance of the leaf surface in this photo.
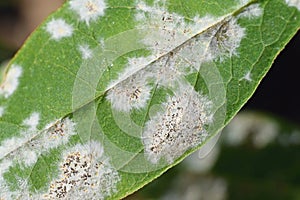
(105, 96)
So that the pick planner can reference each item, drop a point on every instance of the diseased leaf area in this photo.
(107, 95)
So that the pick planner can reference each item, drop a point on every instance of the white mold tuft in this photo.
(132, 93)
(179, 126)
(168, 70)
(85, 174)
(88, 9)
(2, 109)
(10, 145)
(164, 30)
(223, 39)
(5, 164)
(32, 121)
(57, 134)
(247, 77)
(85, 51)
(294, 3)
(11, 81)
(190, 41)
(28, 156)
(5, 193)
(59, 28)
(252, 11)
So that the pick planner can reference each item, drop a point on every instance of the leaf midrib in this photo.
(103, 93)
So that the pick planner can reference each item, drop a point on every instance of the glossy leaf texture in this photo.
(107, 95)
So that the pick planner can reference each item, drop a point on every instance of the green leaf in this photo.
(105, 96)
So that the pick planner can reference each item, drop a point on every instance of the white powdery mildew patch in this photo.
(88, 9)
(85, 51)
(184, 42)
(85, 174)
(217, 43)
(23, 191)
(223, 39)
(32, 121)
(4, 167)
(59, 28)
(247, 77)
(2, 109)
(295, 3)
(33, 144)
(10, 153)
(28, 156)
(132, 93)
(56, 134)
(252, 11)
(242, 3)
(134, 66)
(11, 144)
(11, 81)
(164, 30)
(179, 127)
(169, 69)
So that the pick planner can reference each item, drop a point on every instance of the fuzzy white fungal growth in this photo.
(32, 145)
(11, 81)
(242, 3)
(252, 11)
(190, 41)
(88, 9)
(218, 42)
(57, 134)
(164, 30)
(4, 166)
(224, 39)
(295, 3)
(32, 121)
(85, 174)
(11, 144)
(28, 156)
(23, 191)
(134, 65)
(247, 77)
(2, 109)
(168, 70)
(59, 28)
(133, 93)
(179, 127)
(85, 51)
